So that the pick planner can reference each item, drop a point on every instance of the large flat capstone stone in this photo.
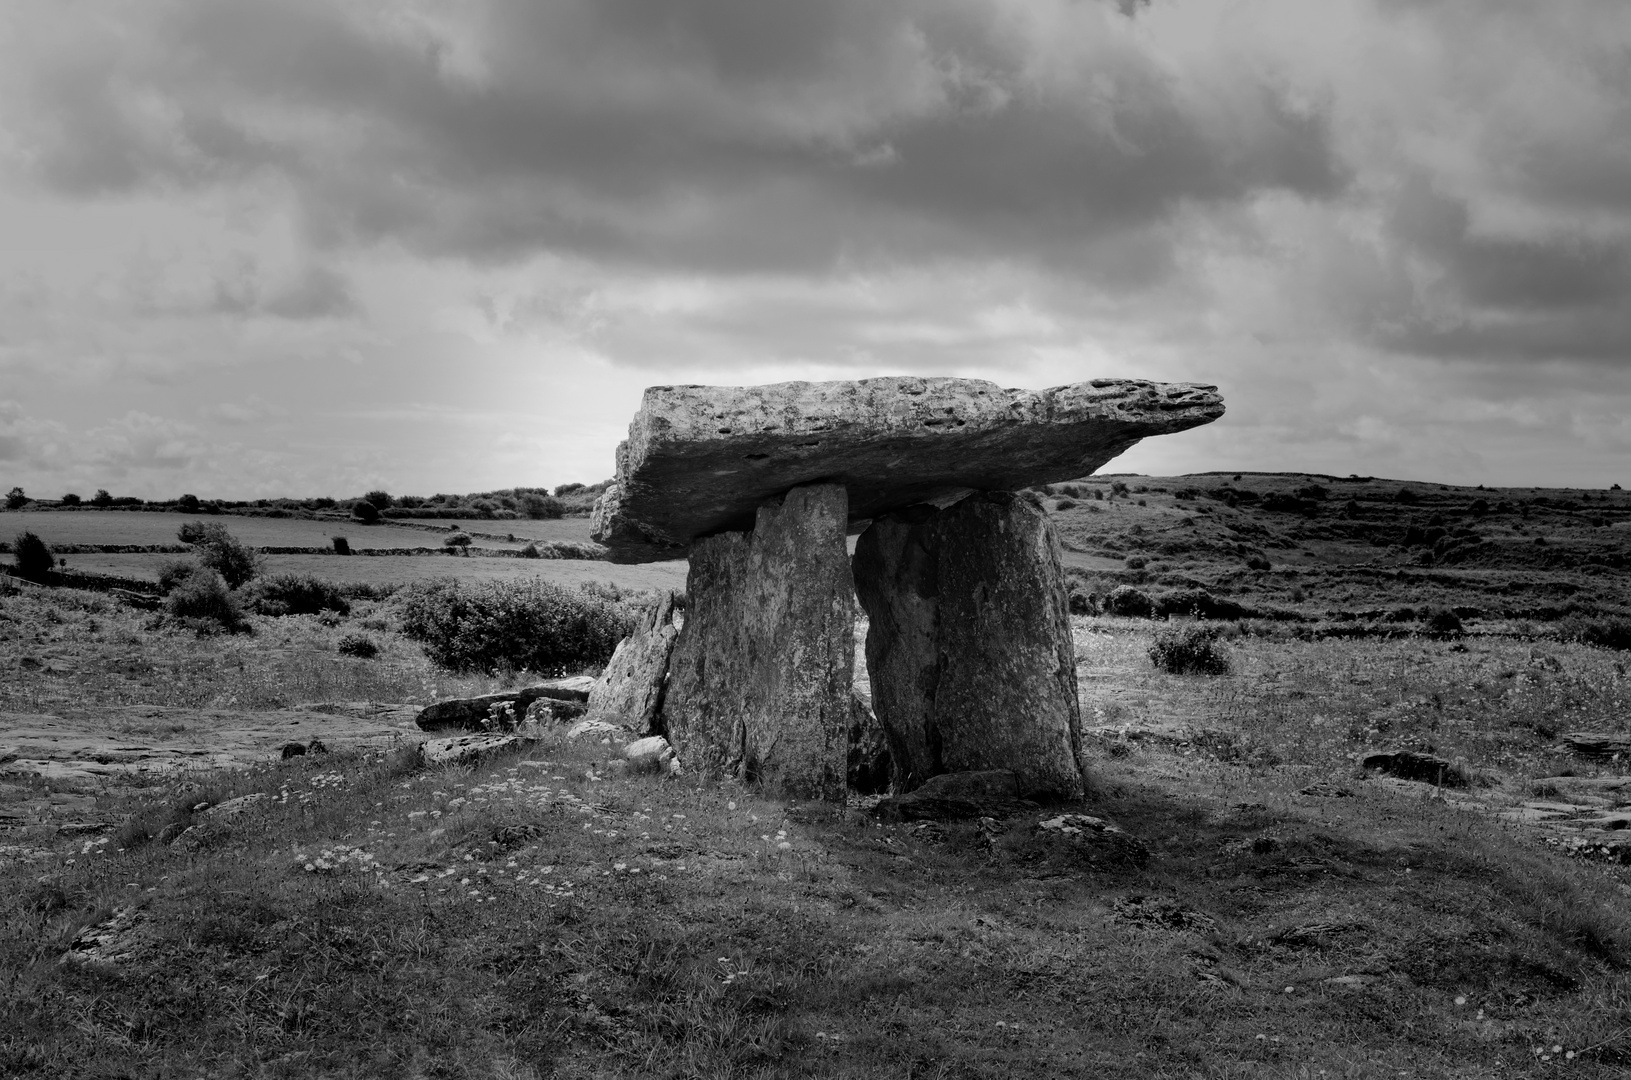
(701, 459)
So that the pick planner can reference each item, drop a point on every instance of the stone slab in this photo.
(701, 459)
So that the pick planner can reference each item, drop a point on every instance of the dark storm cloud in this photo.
(725, 134)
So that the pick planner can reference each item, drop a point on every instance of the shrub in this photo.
(540, 506)
(1197, 603)
(530, 624)
(33, 557)
(16, 500)
(101, 498)
(1137, 562)
(1257, 562)
(567, 489)
(1081, 603)
(1405, 497)
(173, 572)
(1189, 649)
(322, 502)
(1603, 633)
(365, 511)
(530, 551)
(342, 546)
(222, 552)
(204, 602)
(484, 507)
(296, 594)
(379, 500)
(459, 540)
(1126, 600)
(359, 645)
(71, 499)
(1065, 504)
(188, 504)
(1441, 620)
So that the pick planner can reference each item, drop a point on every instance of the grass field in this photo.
(1270, 910)
(549, 916)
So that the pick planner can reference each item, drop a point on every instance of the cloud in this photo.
(724, 134)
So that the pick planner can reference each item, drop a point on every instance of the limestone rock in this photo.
(759, 680)
(992, 793)
(701, 459)
(475, 713)
(112, 941)
(869, 771)
(651, 754)
(631, 691)
(1596, 744)
(589, 727)
(969, 649)
(472, 749)
(1414, 765)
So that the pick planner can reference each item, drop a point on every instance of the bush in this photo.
(540, 506)
(1137, 562)
(222, 552)
(188, 504)
(16, 500)
(173, 572)
(530, 551)
(204, 602)
(359, 645)
(342, 546)
(101, 498)
(1199, 604)
(460, 540)
(1126, 600)
(1065, 504)
(71, 499)
(1405, 497)
(365, 511)
(296, 594)
(525, 624)
(1190, 649)
(379, 500)
(1257, 562)
(33, 557)
(1441, 620)
(1603, 633)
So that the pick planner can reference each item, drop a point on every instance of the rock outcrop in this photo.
(759, 679)
(475, 713)
(969, 649)
(701, 459)
(630, 693)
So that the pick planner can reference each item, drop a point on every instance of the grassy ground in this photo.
(397, 569)
(547, 915)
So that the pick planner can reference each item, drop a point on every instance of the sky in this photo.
(252, 248)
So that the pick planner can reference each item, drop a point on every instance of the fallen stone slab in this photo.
(990, 793)
(701, 459)
(114, 940)
(1596, 744)
(474, 713)
(469, 750)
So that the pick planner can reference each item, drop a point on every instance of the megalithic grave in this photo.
(968, 647)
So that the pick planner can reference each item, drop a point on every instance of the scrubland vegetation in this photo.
(1272, 910)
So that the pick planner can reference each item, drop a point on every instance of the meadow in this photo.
(1270, 909)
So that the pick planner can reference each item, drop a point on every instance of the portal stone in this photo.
(969, 649)
(759, 680)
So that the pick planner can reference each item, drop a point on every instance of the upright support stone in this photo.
(969, 649)
(759, 680)
(630, 692)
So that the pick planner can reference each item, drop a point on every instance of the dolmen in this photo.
(956, 566)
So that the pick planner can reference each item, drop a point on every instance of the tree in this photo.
(365, 511)
(101, 498)
(188, 504)
(222, 552)
(16, 500)
(379, 500)
(70, 499)
(458, 540)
